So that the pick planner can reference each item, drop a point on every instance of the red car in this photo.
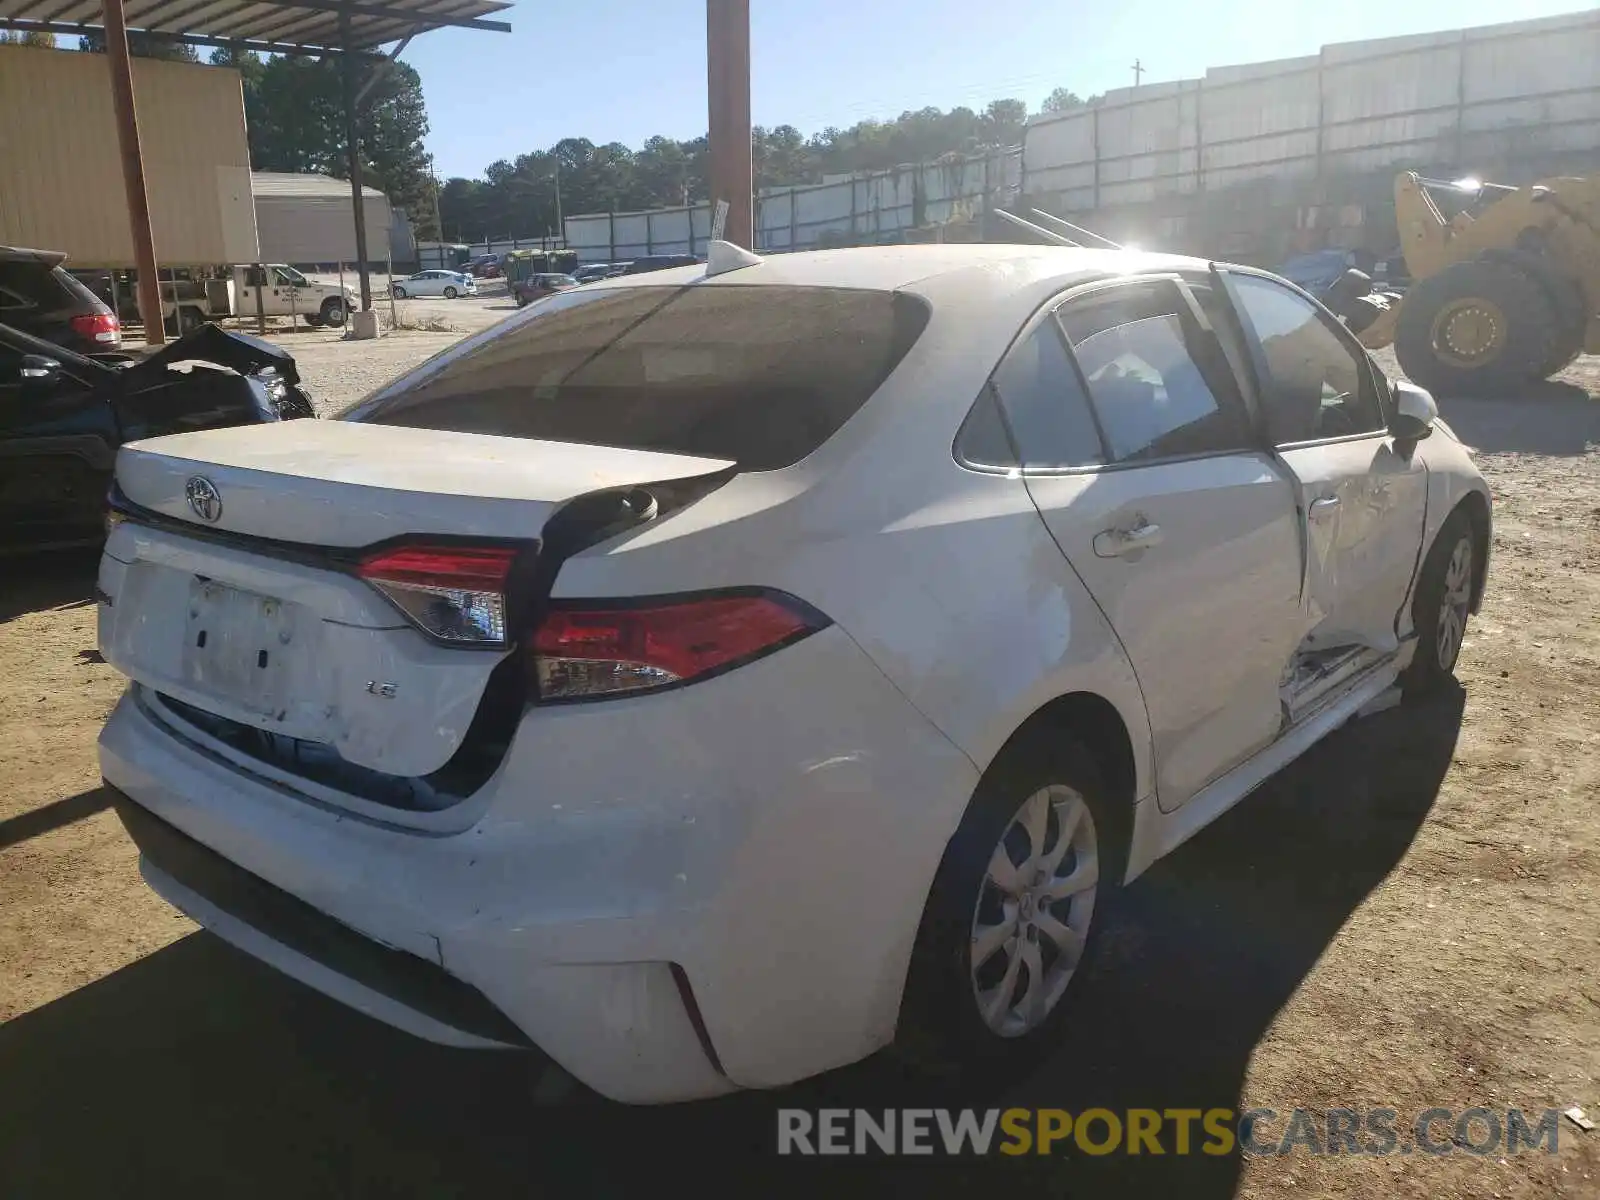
(537, 287)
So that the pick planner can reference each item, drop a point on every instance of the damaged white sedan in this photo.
(710, 677)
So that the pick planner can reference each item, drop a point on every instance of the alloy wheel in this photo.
(1454, 604)
(1031, 922)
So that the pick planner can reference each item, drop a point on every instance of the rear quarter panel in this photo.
(963, 601)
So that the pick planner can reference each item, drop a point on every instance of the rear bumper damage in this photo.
(673, 896)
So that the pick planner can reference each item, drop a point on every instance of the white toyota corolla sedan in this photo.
(712, 676)
(448, 284)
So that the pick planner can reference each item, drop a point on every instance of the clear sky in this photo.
(622, 70)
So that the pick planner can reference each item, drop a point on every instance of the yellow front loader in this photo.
(1505, 292)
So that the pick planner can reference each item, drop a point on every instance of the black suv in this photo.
(38, 297)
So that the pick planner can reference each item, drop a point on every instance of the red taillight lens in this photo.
(98, 327)
(455, 593)
(599, 649)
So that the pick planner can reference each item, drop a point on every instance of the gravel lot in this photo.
(1405, 918)
(338, 371)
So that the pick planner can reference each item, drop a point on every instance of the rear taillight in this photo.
(456, 594)
(591, 649)
(98, 327)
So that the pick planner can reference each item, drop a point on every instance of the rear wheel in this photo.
(1011, 918)
(1475, 327)
(1442, 604)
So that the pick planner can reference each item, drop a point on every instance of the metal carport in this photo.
(352, 30)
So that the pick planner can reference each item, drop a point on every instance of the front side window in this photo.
(1149, 390)
(1315, 386)
(758, 375)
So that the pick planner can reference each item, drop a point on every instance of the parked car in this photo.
(63, 416)
(479, 266)
(38, 297)
(537, 287)
(713, 677)
(660, 262)
(593, 271)
(448, 284)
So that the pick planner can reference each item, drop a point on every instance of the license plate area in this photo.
(237, 645)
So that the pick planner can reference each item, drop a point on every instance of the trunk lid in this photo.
(240, 598)
(347, 484)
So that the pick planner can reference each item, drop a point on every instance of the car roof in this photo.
(993, 283)
(890, 268)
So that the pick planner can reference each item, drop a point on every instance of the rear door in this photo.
(1139, 455)
(1361, 499)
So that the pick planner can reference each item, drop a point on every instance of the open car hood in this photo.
(214, 344)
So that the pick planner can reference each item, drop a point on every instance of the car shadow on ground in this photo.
(195, 1071)
(1551, 417)
(35, 582)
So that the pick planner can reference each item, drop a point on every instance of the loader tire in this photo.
(1531, 256)
(1477, 328)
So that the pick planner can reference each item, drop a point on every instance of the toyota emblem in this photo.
(204, 498)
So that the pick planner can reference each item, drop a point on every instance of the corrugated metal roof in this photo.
(282, 183)
(299, 24)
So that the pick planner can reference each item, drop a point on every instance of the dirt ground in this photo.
(1407, 918)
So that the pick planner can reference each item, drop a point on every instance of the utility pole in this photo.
(1138, 72)
(144, 245)
(728, 90)
(561, 228)
(438, 218)
(352, 133)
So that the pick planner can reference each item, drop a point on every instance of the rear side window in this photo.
(1044, 401)
(1151, 395)
(759, 375)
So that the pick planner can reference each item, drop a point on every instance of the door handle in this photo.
(1324, 507)
(1111, 543)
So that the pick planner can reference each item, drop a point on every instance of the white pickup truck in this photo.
(284, 292)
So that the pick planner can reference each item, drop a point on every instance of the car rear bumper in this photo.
(673, 896)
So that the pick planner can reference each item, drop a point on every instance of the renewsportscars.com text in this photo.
(1153, 1131)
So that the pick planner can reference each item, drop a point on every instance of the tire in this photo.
(1508, 323)
(190, 319)
(332, 313)
(450, 293)
(944, 1027)
(399, 292)
(1532, 255)
(1441, 605)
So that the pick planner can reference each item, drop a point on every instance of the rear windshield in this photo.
(32, 284)
(759, 375)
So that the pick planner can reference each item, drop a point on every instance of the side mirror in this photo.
(39, 374)
(1414, 412)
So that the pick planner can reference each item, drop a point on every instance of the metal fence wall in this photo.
(1512, 102)
(880, 206)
